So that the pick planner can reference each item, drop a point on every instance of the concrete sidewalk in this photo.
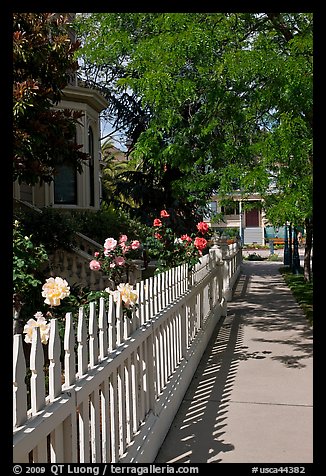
(250, 400)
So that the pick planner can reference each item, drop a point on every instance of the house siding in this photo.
(253, 235)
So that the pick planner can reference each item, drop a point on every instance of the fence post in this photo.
(227, 291)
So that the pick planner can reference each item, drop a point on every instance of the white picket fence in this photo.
(115, 384)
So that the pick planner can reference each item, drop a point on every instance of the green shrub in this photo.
(302, 291)
(255, 257)
(53, 228)
(109, 223)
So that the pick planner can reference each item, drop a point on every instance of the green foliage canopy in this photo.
(225, 98)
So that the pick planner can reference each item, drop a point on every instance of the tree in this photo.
(43, 59)
(141, 189)
(224, 98)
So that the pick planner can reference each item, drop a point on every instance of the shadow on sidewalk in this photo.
(261, 302)
(269, 306)
(205, 406)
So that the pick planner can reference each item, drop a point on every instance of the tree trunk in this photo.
(290, 246)
(307, 251)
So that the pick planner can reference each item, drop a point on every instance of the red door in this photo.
(252, 218)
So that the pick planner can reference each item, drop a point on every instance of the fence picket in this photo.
(141, 310)
(150, 312)
(69, 348)
(37, 378)
(159, 292)
(103, 330)
(39, 454)
(155, 296)
(119, 321)
(134, 391)
(54, 344)
(129, 408)
(105, 421)
(93, 338)
(82, 344)
(121, 408)
(56, 444)
(112, 332)
(114, 417)
(140, 381)
(83, 425)
(19, 390)
(95, 426)
(139, 304)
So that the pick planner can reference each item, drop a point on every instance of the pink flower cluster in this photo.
(114, 254)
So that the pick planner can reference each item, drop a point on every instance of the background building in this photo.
(242, 217)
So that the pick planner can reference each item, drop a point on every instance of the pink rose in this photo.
(96, 254)
(135, 245)
(94, 265)
(119, 261)
(164, 214)
(123, 238)
(124, 247)
(157, 222)
(110, 244)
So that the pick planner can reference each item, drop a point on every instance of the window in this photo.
(91, 167)
(231, 209)
(213, 207)
(65, 185)
(210, 210)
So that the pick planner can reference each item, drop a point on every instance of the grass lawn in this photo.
(301, 291)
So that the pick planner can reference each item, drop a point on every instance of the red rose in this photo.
(157, 222)
(158, 236)
(164, 214)
(202, 227)
(186, 238)
(200, 243)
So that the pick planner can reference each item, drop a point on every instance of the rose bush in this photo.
(171, 250)
(115, 259)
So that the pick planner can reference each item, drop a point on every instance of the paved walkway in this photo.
(250, 400)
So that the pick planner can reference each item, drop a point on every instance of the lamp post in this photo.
(286, 259)
(296, 257)
(240, 224)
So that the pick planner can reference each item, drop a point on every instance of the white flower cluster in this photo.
(54, 290)
(126, 293)
(39, 322)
